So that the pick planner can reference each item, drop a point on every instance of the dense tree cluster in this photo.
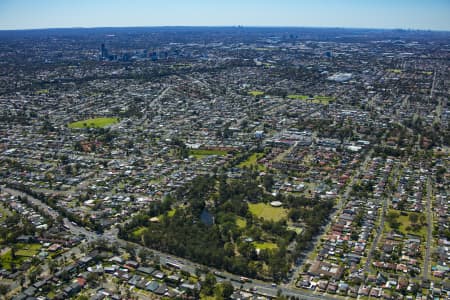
(224, 244)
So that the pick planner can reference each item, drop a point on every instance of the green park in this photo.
(94, 123)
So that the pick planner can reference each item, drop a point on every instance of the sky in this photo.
(405, 14)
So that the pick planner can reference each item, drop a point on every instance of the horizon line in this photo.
(227, 26)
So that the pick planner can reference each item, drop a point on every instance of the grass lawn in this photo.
(253, 161)
(43, 91)
(297, 230)
(51, 295)
(35, 247)
(27, 253)
(405, 225)
(138, 232)
(325, 100)
(200, 153)
(4, 213)
(265, 245)
(6, 260)
(57, 253)
(267, 212)
(94, 123)
(241, 222)
(298, 97)
(396, 71)
(256, 93)
(171, 212)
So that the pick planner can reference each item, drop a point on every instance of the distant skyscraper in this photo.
(104, 52)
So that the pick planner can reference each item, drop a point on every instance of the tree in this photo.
(93, 278)
(413, 217)
(65, 276)
(144, 254)
(4, 289)
(227, 289)
(279, 295)
(422, 219)
(268, 182)
(52, 265)
(34, 274)
(209, 284)
(13, 251)
(131, 249)
(391, 218)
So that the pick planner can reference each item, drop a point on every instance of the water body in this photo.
(207, 218)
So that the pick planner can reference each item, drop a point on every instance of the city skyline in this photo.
(402, 14)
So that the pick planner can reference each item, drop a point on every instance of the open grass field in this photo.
(171, 212)
(253, 161)
(4, 213)
(325, 100)
(298, 97)
(241, 223)
(27, 253)
(297, 230)
(396, 71)
(138, 232)
(6, 260)
(267, 212)
(199, 153)
(23, 251)
(94, 123)
(265, 245)
(35, 247)
(405, 225)
(41, 92)
(256, 93)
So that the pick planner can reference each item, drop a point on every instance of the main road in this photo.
(429, 212)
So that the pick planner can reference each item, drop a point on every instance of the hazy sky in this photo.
(408, 14)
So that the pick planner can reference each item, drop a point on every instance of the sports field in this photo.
(94, 123)
(199, 153)
(265, 245)
(256, 93)
(317, 99)
(267, 212)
